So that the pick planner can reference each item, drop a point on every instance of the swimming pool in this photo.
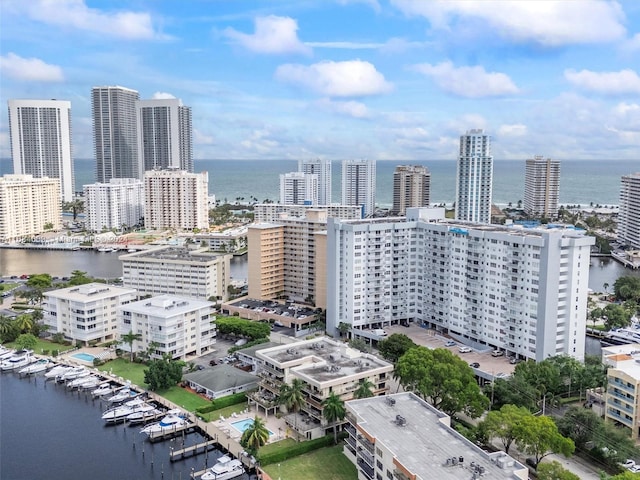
(242, 425)
(85, 357)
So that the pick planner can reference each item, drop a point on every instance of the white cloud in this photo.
(200, 138)
(354, 78)
(515, 130)
(272, 35)
(350, 108)
(75, 14)
(470, 82)
(29, 69)
(372, 3)
(633, 44)
(162, 96)
(613, 83)
(549, 23)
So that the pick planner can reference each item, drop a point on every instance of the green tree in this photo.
(504, 424)
(512, 391)
(255, 436)
(615, 316)
(359, 344)
(8, 329)
(24, 323)
(129, 338)
(343, 328)
(27, 341)
(40, 281)
(580, 425)
(292, 397)
(79, 277)
(627, 288)
(333, 411)
(539, 436)
(443, 379)
(163, 373)
(396, 345)
(75, 207)
(364, 389)
(555, 471)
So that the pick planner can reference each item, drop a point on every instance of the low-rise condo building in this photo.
(403, 437)
(86, 313)
(170, 325)
(622, 405)
(324, 366)
(177, 271)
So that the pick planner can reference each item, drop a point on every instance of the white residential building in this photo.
(115, 133)
(27, 206)
(402, 437)
(178, 326)
(86, 313)
(542, 187)
(165, 135)
(359, 185)
(114, 205)
(411, 188)
(273, 212)
(177, 271)
(474, 177)
(321, 168)
(298, 188)
(520, 290)
(629, 216)
(40, 134)
(176, 199)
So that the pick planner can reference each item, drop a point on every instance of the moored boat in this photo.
(6, 352)
(224, 469)
(36, 367)
(57, 370)
(19, 359)
(172, 420)
(103, 389)
(145, 416)
(120, 413)
(72, 374)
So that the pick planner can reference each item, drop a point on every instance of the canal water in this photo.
(51, 433)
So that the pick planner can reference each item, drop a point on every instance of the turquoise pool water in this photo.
(242, 425)
(85, 357)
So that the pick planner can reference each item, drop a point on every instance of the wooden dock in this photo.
(173, 432)
(192, 450)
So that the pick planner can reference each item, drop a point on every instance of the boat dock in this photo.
(174, 432)
(196, 449)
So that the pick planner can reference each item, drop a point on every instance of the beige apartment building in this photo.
(324, 366)
(623, 386)
(27, 206)
(283, 260)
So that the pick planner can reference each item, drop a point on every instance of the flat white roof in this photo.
(166, 305)
(90, 292)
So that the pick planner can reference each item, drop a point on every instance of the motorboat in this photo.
(120, 414)
(19, 359)
(144, 416)
(81, 380)
(224, 469)
(57, 370)
(72, 374)
(122, 395)
(172, 420)
(622, 336)
(90, 382)
(37, 367)
(103, 389)
(6, 353)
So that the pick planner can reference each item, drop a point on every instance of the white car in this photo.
(450, 343)
(634, 469)
(628, 464)
(464, 350)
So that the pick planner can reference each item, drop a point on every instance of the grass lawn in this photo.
(186, 399)
(44, 345)
(326, 463)
(225, 412)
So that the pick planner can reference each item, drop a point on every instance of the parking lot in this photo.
(280, 314)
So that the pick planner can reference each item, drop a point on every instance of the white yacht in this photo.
(144, 416)
(171, 421)
(37, 367)
(57, 370)
(224, 469)
(72, 374)
(103, 389)
(90, 382)
(120, 414)
(79, 381)
(6, 353)
(123, 394)
(18, 360)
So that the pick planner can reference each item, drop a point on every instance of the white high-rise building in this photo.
(177, 326)
(474, 177)
(359, 185)
(164, 135)
(114, 205)
(28, 206)
(520, 290)
(176, 199)
(542, 187)
(411, 188)
(115, 133)
(40, 132)
(629, 216)
(298, 188)
(321, 168)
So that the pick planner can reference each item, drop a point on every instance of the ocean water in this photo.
(581, 182)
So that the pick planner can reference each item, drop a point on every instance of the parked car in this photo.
(464, 349)
(497, 353)
(628, 463)
(474, 365)
(278, 324)
(634, 469)
(450, 343)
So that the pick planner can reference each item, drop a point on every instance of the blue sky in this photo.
(396, 79)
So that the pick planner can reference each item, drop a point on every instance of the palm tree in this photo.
(24, 323)
(333, 411)
(75, 207)
(129, 338)
(6, 327)
(255, 436)
(364, 389)
(292, 397)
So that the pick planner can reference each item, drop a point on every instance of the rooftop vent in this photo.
(391, 401)
(401, 421)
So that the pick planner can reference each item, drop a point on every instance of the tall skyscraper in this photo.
(474, 177)
(542, 187)
(359, 185)
(629, 216)
(115, 133)
(411, 188)
(165, 135)
(321, 168)
(40, 132)
(298, 188)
